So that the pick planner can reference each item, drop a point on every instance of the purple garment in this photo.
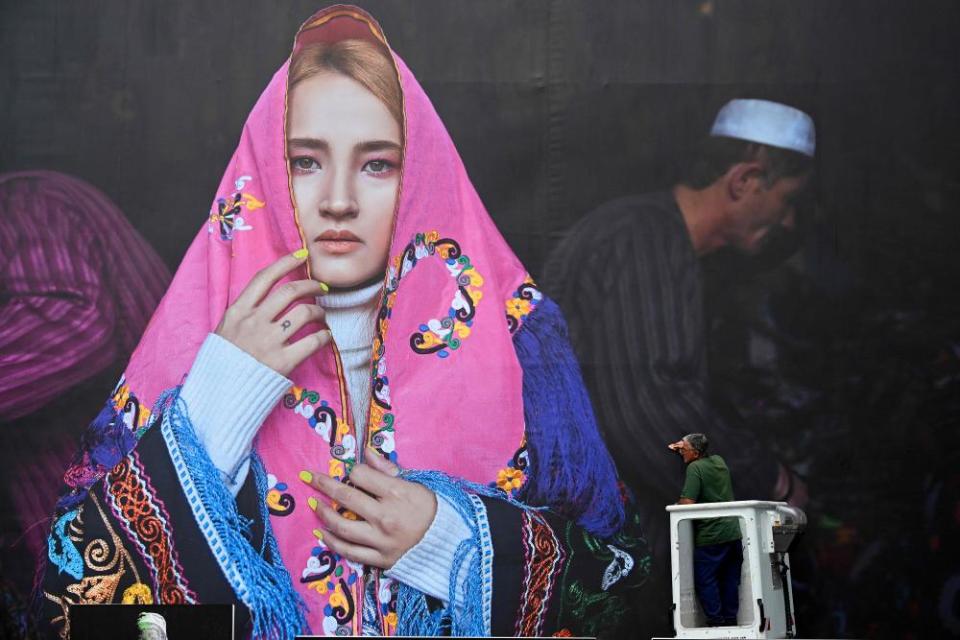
(77, 287)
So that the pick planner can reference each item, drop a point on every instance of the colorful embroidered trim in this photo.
(513, 477)
(522, 303)
(226, 210)
(61, 550)
(279, 503)
(439, 336)
(135, 416)
(333, 577)
(340, 608)
(336, 578)
(543, 555)
(145, 521)
(106, 563)
(324, 422)
(381, 420)
(257, 576)
(442, 335)
(386, 604)
(107, 439)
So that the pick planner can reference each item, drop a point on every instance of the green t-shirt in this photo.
(708, 480)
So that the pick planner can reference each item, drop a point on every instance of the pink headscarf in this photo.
(447, 388)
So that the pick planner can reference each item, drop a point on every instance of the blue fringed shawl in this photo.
(258, 577)
(471, 600)
(581, 480)
(580, 483)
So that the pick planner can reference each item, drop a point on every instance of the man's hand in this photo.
(254, 322)
(394, 513)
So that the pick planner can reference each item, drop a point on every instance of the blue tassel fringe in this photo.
(464, 614)
(581, 483)
(277, 610)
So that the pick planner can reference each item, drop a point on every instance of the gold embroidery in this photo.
(96, 589)
(138, 593)
(64, 616)
(100, 556)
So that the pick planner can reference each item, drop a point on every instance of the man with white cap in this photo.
(629, 280)
(747, 176)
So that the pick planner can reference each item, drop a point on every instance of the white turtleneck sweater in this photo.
(228, 394)
(351, 316)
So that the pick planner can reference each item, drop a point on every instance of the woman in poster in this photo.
(353, 412)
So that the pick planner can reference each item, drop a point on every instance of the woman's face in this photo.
(345, 154)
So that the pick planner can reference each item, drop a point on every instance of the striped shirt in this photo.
(630, 284)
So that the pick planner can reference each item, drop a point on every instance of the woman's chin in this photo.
(346, 272)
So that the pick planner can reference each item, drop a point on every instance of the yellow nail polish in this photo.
(312, 502)
(318, 534)
(306, 476)
(324, 287)
(300, 254)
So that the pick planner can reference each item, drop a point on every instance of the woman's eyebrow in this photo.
(309, 143)
(377, 145)
(362, 147)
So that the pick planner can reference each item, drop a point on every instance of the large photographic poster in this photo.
(836, 351)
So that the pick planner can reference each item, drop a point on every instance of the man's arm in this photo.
(692, 485)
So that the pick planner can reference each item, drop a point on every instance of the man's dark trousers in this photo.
(716, 574)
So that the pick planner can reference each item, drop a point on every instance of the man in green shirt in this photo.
(718, 553)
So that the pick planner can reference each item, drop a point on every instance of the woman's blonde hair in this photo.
(360, 60)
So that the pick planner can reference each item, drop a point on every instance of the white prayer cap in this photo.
(766, 122)
(149, 619)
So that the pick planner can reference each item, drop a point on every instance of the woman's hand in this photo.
(254, 322)
(395, 513)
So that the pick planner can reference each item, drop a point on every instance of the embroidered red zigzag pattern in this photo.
(543, 559)
(145, 521)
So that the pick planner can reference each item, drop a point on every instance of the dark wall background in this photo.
(845, 358)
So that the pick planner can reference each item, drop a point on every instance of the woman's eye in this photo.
(304, 163)
(378, 166)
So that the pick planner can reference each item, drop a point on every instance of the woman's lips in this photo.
(338, 242)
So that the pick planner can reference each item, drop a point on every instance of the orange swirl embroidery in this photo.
(544, 556)
(143, 515)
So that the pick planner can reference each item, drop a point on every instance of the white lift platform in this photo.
(766, 595)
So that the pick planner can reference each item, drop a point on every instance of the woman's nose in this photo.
(338, 200)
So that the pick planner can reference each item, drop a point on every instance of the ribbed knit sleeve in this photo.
(228, 394)
(427, 565)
